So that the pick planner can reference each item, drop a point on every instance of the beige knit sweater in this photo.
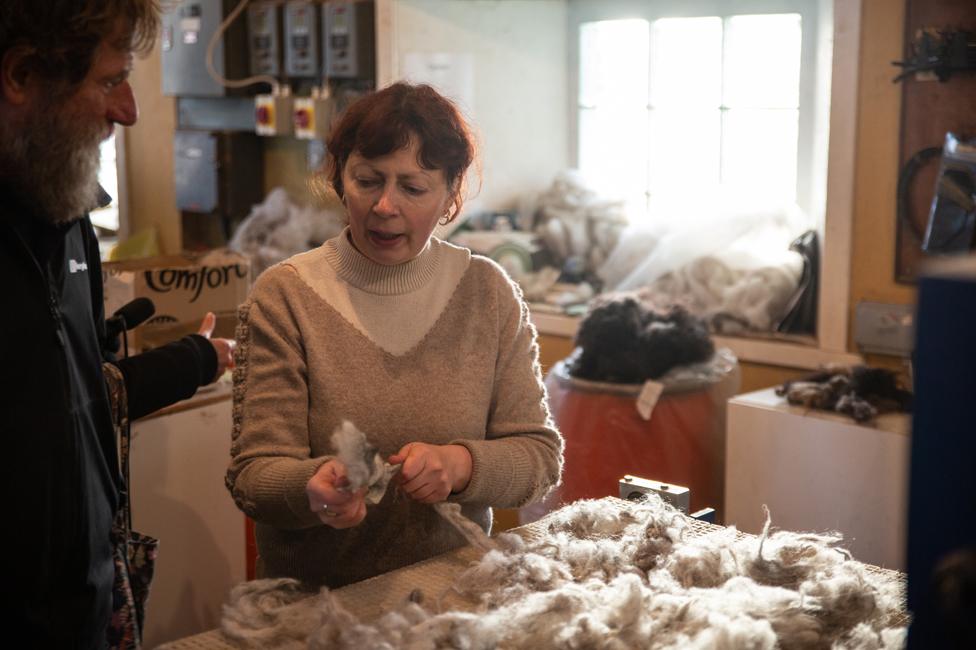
(437, 350)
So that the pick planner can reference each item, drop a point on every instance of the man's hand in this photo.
(328, 498)
(431, 472)
(223, 347)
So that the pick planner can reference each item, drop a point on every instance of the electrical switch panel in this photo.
(262, 29)
(312, 117)
(272, 114)
(187, 29)
(301, 39)
(884, 328)
(348, 40)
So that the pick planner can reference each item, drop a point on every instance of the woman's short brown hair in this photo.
(383, 122)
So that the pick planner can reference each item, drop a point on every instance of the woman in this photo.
(426, 348)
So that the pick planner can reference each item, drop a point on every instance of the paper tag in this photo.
(648, 397)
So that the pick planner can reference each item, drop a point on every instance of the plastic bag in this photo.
(726, 262)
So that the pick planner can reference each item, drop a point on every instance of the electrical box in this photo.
(301, 39)
(884, 329)
(219, 176)
(262, 37)
(273, 114)
(186, 32)
(312, 117)
(348, 40)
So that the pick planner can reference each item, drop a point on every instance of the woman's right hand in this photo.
(328, 498)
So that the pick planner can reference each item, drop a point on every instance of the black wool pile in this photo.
(621, 340)
(860, 392)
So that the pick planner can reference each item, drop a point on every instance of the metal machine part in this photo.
(634, 488)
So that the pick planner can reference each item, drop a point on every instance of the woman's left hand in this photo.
(431, 472)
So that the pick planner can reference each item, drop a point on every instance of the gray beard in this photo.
(51, 161)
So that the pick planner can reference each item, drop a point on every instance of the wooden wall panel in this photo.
(930, 108)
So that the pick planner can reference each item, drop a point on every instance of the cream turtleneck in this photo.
(393, 306)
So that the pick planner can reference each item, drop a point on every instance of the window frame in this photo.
(123, 188)
(120, 196)
(829, 345)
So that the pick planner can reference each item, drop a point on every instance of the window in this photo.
(107, 219)
(110, 221)
(671, 105)
(711, 118)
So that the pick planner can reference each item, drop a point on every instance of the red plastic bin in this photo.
(683, 442)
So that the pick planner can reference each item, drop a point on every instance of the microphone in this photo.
(128, 316)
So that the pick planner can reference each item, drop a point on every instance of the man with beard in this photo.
(64, 67)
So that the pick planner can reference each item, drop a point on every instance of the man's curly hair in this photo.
(62, 35)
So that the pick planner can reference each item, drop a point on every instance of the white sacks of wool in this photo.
(607, 577)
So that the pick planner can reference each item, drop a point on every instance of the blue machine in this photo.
(942, 490)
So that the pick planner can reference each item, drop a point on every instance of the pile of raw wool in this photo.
(607, 577)
(623, 340)
(860, 392)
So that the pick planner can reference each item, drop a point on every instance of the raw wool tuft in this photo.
(794, 556)
(262, 614)
(580, 586)
(364, 465)
(861, 392)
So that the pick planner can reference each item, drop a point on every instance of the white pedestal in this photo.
(178, 462)
(819, 471)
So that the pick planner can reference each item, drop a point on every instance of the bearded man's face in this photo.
(50, 155)
(53, 158)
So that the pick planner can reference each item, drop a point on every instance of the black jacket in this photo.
(60, 462)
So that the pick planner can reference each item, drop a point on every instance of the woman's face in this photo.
(393, 204)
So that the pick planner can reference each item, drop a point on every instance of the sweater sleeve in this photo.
(520, 459)
(270, 453)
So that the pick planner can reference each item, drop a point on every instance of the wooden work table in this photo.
(370, 599)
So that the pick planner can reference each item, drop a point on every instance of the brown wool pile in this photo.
(603, 577)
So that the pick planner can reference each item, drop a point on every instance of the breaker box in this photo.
(186, 31)
(219, 177)
(348, 40)
(301, 39)
(262, 38)
(312, 117)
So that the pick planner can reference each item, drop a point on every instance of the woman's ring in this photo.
(325, 509)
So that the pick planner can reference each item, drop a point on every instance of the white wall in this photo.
(517, 52)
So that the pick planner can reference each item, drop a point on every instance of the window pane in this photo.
(612, 152)
(613, 63)
(684, 150)
(762, 66)
(686, 62)
(108, 217)
(759, 151)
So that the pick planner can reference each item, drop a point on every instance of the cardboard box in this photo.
(183, 289)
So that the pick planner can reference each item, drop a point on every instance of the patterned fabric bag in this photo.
(134, 553)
